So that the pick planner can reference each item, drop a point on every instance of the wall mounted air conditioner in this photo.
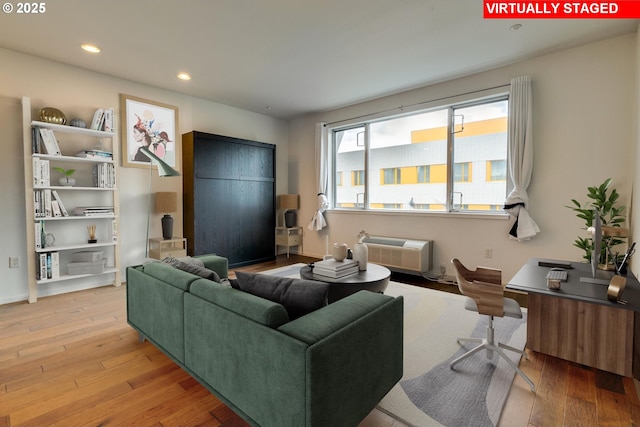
(401, 255)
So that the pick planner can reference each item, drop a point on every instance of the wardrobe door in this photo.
(232, 196)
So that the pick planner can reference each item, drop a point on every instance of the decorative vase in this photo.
(167, 227)
(361, 254)
(290, 219)
(339, 251)
(67, 181)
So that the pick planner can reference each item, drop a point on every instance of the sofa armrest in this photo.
(322, 323)
(216, 263)
(355, 356)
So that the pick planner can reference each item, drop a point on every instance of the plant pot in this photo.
(67, 181)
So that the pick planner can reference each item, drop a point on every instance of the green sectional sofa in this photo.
(328, 368)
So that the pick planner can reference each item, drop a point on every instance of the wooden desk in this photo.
(578, 323)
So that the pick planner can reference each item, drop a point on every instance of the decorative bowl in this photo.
(52, 115)
(79, 123)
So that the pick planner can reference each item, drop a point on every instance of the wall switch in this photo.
(488, 253)
(14, 262)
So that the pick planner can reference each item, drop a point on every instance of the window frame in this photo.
(362, 203)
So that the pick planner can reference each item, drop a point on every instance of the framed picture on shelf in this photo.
(148, 124)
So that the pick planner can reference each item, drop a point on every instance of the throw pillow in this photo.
(298, 296)
(193, 269)
(191, 260)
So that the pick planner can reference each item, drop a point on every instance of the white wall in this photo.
(584, 131)
(78, 93)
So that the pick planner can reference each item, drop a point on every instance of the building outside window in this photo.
(403, 162)
(357, 178)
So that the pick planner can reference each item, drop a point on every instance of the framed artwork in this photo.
(148, 124)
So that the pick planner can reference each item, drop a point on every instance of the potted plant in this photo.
(67, 180)
(602, 200)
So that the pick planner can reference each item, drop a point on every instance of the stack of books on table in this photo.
(335, 269)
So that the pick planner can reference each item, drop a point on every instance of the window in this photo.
(496, 170)
(452, 158)
(462, 172)
(391, 176)
(357, 178)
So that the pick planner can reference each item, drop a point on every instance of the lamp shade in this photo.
(288, 201)
(166, 201)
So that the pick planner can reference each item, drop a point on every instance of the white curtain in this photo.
(520, 158)
(322, 165)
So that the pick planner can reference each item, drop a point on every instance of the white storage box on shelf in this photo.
(87, 256)
(401, 255)
(95, 267)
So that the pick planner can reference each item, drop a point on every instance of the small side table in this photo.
(289, 237)
(160, 248)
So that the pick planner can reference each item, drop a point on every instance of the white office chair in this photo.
(485, 295)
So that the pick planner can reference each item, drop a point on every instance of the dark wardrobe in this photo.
(229, 197)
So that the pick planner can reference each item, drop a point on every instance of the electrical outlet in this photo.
(443, 269)
(14, 262)
(488, 253)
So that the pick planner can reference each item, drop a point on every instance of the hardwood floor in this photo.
(72, 360)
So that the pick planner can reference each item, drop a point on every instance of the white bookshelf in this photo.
(70, 231)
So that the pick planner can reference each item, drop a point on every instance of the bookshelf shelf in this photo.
(75, 130)
(61, 188)
(96, 188)
(77, 276)
(73, 159)
(71, 247)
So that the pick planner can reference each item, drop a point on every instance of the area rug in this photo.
(430, 393)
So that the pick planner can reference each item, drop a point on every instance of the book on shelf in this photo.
(50, 143)
(57, 198)
(38, 234)
(98, 119)
(36, 204)
(108, 120)
(114, 230)
(48, 265)
(92, 210)
(55, 209)
(41, 172)
(55, 265)
(41, 274)
(103, 120)
(35, 140)
(104, 175)
(48, 212)
(95, 154)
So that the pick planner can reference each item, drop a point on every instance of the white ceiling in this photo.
(289, 57)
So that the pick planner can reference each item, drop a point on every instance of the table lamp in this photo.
(287, 202)
(166, 203)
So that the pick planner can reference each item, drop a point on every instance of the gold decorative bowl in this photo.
(52, 115)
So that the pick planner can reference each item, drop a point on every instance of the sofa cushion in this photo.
(259, 310)
(193, 268)
(298, 296)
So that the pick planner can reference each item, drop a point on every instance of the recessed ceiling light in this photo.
(515, 27)
(184, 76)
(90, 48)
